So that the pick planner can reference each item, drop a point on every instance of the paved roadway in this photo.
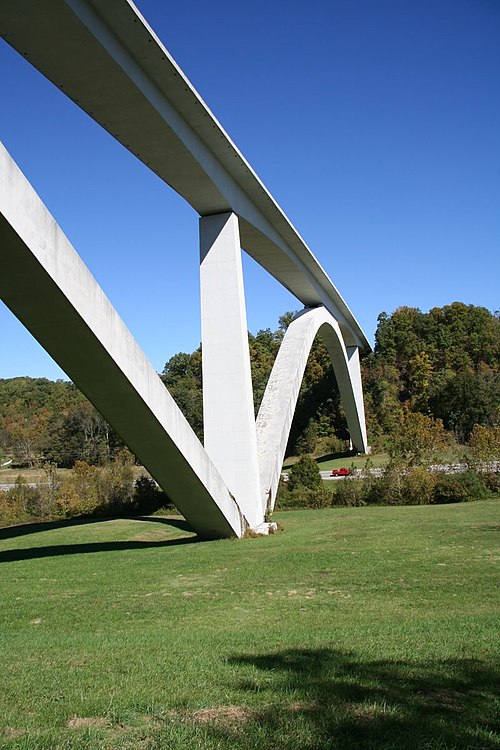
(376, 472)
(444, 468)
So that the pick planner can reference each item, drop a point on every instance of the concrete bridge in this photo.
(105, 57)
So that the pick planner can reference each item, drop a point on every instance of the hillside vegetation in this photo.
(432, 386)
(445, 364)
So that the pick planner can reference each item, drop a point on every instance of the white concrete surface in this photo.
(228, 410)
(276, 411)
(47, 286)
(105, 57)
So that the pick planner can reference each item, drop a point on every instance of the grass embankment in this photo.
(354, 628)
(331, 461)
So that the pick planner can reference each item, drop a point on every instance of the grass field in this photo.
(367, 627)
(326, 463)
(331, 461)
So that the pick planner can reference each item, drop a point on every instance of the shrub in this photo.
(335, 444)
(78, 494)
(7, 512)
(492, 481)
(459, 488)
(417, 486)
(304, 473)
(304, 489)
(414, 486)
(18, 503)
(115, 487)
(484, 443)
(148, 497)
(86, 491)
(303, 497)
(350, 492)
(49, 490)
(300, 496)
(388, 488)
(92, 490)
(23, 499)
(24, 502)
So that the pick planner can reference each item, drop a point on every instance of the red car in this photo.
(342, 472)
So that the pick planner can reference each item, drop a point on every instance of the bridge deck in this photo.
(106, 58)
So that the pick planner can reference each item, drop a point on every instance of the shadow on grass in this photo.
(9, 532)
(333, 456)
(32, 553)
(327, 699)
(176, 523)
(327, 457)
(57, 550)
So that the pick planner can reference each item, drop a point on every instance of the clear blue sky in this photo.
(375, 125)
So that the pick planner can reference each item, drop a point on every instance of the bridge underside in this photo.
(103, 55)
(46, 285)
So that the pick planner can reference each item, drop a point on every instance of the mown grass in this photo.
(329, 462)
(367, 627)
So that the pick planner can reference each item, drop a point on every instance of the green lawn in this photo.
(363, 628)
(335, 461)
(327, 463)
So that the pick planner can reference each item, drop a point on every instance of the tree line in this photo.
(42, 421)
(444, 364)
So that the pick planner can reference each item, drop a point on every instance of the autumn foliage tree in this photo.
(444, 363)
(417, 439)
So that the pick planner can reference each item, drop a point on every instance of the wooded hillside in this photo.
(444, 363)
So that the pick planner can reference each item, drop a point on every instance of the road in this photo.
(490, 466)
(375, 472)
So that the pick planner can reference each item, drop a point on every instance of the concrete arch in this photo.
(47, 286)
(280, 398)
(105, 57)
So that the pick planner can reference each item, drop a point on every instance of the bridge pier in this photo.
(228, 410)
(47, 286)
(355, 411)
(126, 80)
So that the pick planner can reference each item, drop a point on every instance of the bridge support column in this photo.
(228, 410)
(356, 418)
(47, 286)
